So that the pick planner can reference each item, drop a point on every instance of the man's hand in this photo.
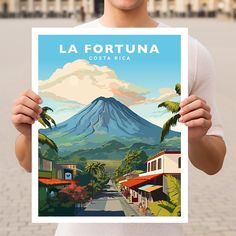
(26, 111)
(206, 152)
(195, 113)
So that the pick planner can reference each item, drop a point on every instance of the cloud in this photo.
(83, 82)
(165, 94)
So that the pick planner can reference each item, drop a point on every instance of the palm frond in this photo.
(178, 89)
(170, 106)
(45, 109)
(41, 122)
(50, 119)
(173, 186)
(166, 127)
(43, 139)
(162, 208)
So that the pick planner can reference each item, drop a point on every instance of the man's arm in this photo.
(23, 151)
(208, 154)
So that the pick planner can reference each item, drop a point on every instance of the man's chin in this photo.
(126, 5)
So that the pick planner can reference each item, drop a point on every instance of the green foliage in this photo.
(46, 121)
(133, 160)
(43, 139)
(170, 106)
(173, 189)
(178, 88)
(166, 127)
(172, 207)
(174, 108)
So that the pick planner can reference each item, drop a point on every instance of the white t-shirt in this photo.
(201, 83)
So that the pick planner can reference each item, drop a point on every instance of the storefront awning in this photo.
(139, 180)
(145, 186)
(55, 181)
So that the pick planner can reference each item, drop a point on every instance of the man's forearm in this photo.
(23, 151)
(208, 154)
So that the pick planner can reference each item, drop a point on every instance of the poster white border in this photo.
(183, 32)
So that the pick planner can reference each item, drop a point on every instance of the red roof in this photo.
(55, 181)
(139, 180)
(162, 153)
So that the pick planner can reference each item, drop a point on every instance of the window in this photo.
(148, 166)
(159, 164)
(46, 165)
(153, 165)
(179, 162)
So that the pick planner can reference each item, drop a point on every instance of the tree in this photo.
(46, 121)
(172, 207)
(174, 108)
(133, 160)
(94, 168)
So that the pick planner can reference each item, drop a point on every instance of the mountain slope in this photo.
(105, 119)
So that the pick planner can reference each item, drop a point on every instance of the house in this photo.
(151, 186)
(51, 179)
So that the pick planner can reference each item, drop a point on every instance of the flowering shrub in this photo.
(77, 194)
(126, 193)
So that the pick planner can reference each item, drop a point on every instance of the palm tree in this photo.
(94, 168)
(46, 121)
(172, 207)
(174, 108)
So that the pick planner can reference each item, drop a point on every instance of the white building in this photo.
(164, 163)
(67, 8)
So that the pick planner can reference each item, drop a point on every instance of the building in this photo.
(49, 8)
(151, 186)
(53, 177)
(92, 8)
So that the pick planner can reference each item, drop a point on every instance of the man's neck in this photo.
(138, 17)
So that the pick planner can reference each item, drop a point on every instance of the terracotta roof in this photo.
(139, 180)
(162, 153)
(56, 181)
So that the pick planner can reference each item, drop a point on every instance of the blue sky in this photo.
(150, 71)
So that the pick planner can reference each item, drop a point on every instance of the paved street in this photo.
(106, 203)
(212, 208)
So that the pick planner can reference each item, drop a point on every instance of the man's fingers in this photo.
(199, 123)
(24, 100)
(21, 109)
(190, 99)
(32, 95)
(200, 113)
(197, 104)
(22, 119)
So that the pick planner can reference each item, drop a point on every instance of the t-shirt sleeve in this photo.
(203, 86)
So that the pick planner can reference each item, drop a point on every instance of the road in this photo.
(109, 202)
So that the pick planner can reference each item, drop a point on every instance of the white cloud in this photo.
(165, 94)
(83, 82)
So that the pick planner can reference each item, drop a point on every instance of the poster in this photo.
(108, 146)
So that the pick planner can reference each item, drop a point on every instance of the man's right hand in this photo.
(26, 111)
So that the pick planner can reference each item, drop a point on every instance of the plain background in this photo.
(212, 207)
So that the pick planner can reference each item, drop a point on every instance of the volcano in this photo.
(103, 120)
